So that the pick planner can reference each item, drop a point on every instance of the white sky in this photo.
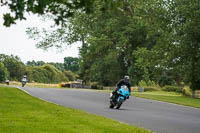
(13, 40)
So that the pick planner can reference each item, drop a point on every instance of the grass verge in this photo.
(21, 113)
(39, 85)
(171, 97)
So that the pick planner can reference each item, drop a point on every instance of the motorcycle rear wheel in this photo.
(112, 106)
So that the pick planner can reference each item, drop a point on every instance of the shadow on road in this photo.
(120, 109)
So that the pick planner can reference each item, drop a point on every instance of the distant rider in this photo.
(7, 81)
(24, 80)
(124, 81)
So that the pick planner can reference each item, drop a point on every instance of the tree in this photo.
(177, 50)
(176, 53)
(71, 63)
(106, 54)
(60, 9)
(47, 74)
(3, 72)
(116, 41)
(70, 75)
(15, 67)
(35, 63)
(187, 24)
(59, 66)
(108, 43)
(31, 63)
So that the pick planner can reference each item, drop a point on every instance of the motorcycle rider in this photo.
(24, 80)
(7, 81)
(124, 81)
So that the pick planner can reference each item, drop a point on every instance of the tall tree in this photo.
(120, 39)
(71, 63)
(187, 24)
(14, 65)
(108, 38)
(176, 53)
(3, 72)
(107, 51)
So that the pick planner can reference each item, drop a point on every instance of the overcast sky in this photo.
(13, 40)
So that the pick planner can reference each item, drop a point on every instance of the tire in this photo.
(119, 104)
(112, 106)
(23, 85)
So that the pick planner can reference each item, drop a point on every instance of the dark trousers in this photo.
(115, 91)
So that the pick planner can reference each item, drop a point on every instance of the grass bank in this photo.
(21, 113)
(38, 85)
(171, 97)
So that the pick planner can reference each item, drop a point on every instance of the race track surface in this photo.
(157, 116)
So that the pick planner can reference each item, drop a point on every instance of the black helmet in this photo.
(126, 79)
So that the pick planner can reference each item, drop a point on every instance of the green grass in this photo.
(171, 97)
(21, 113)
(38, 85)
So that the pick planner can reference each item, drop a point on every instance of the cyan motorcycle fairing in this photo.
(123, 93)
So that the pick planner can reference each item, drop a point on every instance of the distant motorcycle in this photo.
(117, 99)
(23, 83)
(24, 80)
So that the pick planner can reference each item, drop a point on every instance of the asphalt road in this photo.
(157, 116)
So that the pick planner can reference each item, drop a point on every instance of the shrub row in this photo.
(177, 89)
(150, 89)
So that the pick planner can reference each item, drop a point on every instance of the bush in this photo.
(142, 83)
(47, 74)
(151, 83)
(165, 80)
(39, 75)
(150, 89)
(99, 87)
(148, 83)
(70, 75)
(177, 89)
(187, 91)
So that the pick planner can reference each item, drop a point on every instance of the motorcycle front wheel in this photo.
(119, 104)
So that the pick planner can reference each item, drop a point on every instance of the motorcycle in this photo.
(117, 99)
(23, 83)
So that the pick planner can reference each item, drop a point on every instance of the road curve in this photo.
(157, 116)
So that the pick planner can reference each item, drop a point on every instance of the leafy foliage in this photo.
(14, 65)
(173, 89)
(70, 75)
(71, 63)
(35, 63)
(3, 72)
(47, 74)
(187, 26)
(12, 68)
(152, 40)
(61, 9)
